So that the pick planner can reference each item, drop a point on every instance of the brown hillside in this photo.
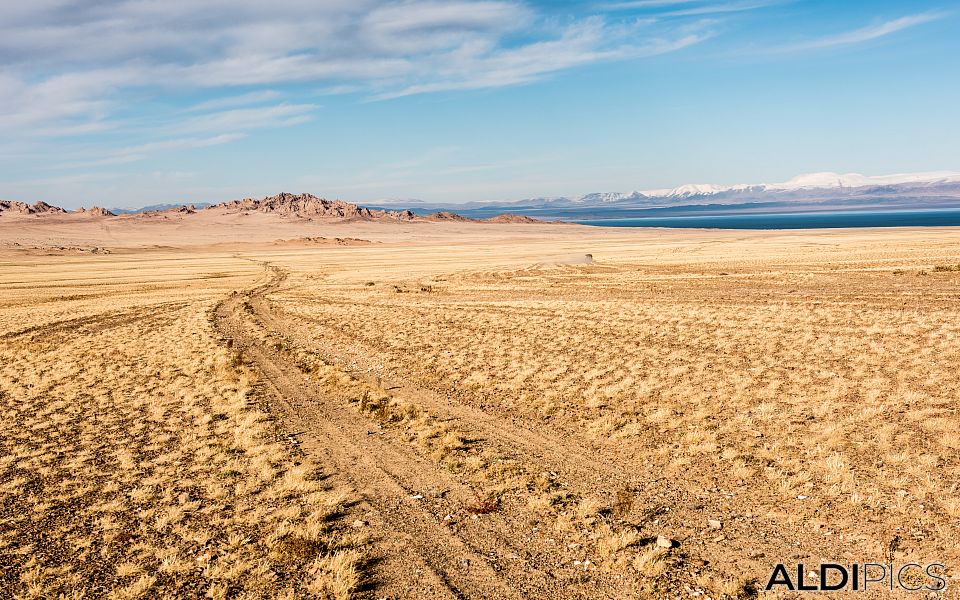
(310, 206)
(28, 209)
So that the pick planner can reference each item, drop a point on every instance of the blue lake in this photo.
(818, 220)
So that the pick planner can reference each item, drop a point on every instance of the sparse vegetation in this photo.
(811, 387)
(661, 421)
(137, 464)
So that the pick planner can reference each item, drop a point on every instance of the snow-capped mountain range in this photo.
(808, 192)
(807, 181)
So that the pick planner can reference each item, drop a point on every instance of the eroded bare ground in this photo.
(482, 420)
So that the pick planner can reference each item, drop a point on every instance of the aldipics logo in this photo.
(832, 577)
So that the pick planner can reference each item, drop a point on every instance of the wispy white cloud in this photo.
(67, 65)
(280, 115)
(181, 143)
(139, 152)
(337, 90)
(720, 8)
(864, 34)
(681, 8)
(586, 42)
(236, 121)
(234, 101)
(636, 4)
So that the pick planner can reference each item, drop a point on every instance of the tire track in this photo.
(679, 507)
(416, 546)
(102, 321)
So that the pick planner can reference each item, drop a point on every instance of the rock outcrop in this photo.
(446, 215)
(303, 206)
(509, 218)
(309, 206)
(28, 209)
(95, 211)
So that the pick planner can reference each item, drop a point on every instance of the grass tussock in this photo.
(806, 382)
(136, 464)
(495, 477)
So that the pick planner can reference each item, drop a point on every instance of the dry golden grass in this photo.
(811, 377)
(799, 388)
(135, 462)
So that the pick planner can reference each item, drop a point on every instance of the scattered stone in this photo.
(437, 493)
(416, 497)
(714, 524)
(664, 542)
(360, 523)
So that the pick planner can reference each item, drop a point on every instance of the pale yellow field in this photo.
(497, 416)
(135, 459)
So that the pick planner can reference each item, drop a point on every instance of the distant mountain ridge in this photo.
(284, 204)
(812, 191)
(809, 181)
(310, 206)
(809, 192)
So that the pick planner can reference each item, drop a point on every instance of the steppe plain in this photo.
(249, 406)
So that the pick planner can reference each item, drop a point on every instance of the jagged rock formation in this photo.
(96, 211)
(310, 206)
(28, 209)
(305, 206)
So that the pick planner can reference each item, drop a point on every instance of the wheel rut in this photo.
(100, 321)
(405, 495)
(567, 456)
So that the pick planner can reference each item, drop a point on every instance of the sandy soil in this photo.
(494, 413)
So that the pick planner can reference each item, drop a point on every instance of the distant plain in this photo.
(193, 406)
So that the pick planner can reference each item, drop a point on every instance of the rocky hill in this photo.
(28, 209)
(310, 206)
(300, 206)
(96, 211)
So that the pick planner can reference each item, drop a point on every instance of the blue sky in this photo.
(133, 102)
